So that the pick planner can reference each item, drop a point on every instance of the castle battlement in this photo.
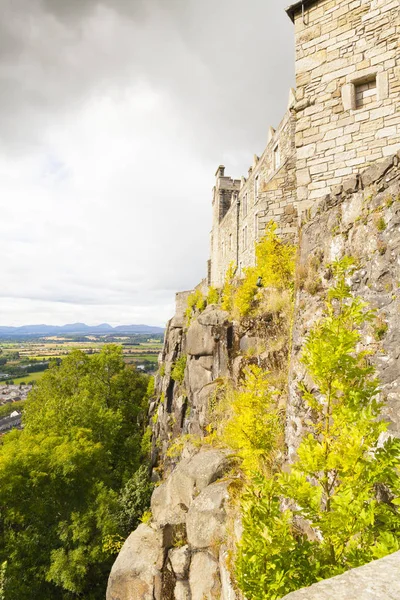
(344, 115)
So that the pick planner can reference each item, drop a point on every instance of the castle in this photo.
(344, 115)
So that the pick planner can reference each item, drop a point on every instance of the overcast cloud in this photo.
(113, 118)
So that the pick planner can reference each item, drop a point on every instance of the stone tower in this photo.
(348, 89)
(225, 200)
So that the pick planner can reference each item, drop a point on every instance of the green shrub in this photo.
(145, 445)
(341, 465)
(381, 224)
(228, 288)
(380, 328)
(275, 259)
(275, 263)
(134, 499)
(245, 295)
(254, 429)
(178, 445)
(178, 369)
(213, 296)
(196, 303)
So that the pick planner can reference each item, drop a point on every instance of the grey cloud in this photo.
(106, 202)
(224, 62)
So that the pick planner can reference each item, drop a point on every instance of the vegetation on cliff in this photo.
(71, 482)
(336, 507)
(274, 268)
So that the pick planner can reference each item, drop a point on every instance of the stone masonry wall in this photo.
(348, 90)
(269, 193)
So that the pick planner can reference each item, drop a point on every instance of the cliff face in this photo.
(184, 552)
(362, 220)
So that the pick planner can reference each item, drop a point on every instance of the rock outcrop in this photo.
(178, 556)
(361, 220)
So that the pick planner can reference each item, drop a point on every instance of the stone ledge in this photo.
(378, 580)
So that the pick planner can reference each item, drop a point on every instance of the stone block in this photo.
(349, 96)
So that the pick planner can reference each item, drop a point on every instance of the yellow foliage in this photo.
(146, 517)
(253, 427)
(178, 445)
(112, 544)
(229, 288)
(245, 295)
(213, 295)
(195, 303)
(275, 263)
(275, 260)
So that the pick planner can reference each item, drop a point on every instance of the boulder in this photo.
(136, 573)
(206, 519)
(350, 185)
(197, 375)
(208, 466)
(378, 580)
(199, 340)
(171, 500)
(213, 316)
(376, 171)
(204, 578)
(180, 561)
(201, 402)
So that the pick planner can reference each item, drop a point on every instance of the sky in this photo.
(114, 116)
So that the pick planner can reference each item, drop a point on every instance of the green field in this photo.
(137, 350)
(26, 379)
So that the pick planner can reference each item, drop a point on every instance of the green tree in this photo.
(134, 499)
(61, 477)
(337, 507)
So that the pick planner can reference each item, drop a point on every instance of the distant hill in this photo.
(76, 329)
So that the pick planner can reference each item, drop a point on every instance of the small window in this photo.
(361, 93)
(244, 237)
(230, 241)
(365, 93)
(256, 189)
(245, 205)
(277, 157)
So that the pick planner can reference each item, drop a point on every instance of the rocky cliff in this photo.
(185, 551)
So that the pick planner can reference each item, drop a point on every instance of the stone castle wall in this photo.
(348, 90)
(346, 115)
(242, 208)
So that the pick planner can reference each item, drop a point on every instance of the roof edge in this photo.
(294, 8)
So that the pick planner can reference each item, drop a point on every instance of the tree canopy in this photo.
(66, 478)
